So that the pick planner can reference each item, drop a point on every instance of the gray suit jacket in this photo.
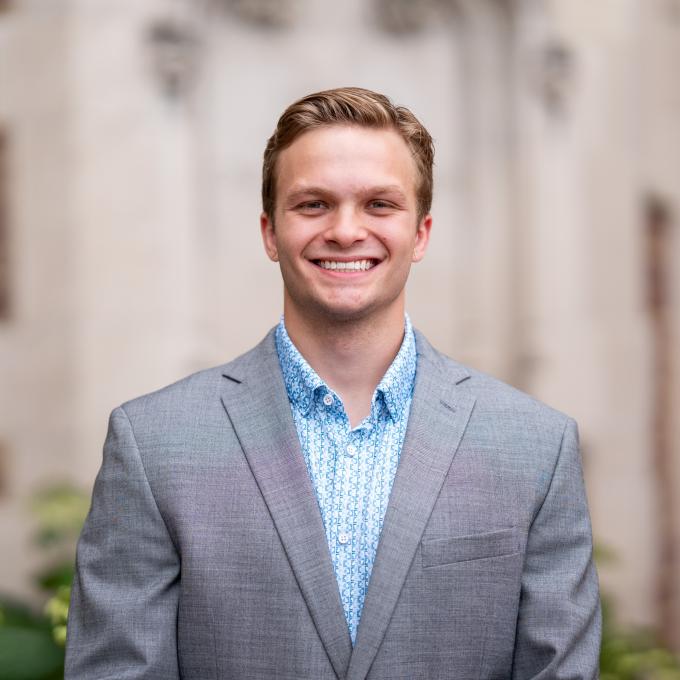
(204, 555)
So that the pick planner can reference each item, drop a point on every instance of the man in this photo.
(342, 501)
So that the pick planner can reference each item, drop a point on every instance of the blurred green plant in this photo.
(56, 610)
(60, 512)
(27, 647)
(633, 655)
(630, 654)
(32, 643)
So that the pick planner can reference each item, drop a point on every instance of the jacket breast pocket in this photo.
(442, 551)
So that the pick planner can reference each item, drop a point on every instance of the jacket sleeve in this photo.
(123, 614)
(559, 621)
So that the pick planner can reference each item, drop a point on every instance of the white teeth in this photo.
(356, 266)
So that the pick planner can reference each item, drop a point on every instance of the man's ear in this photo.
(422, 238)
(269, 237)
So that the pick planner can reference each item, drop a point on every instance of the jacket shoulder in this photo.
(494, 397)
(199, 389)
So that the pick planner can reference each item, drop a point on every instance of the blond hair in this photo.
(349, 106)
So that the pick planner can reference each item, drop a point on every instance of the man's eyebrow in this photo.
(387, 189)
(300, 191)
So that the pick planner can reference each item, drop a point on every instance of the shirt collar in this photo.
(301, 380)
(299, 377)
(397, 384)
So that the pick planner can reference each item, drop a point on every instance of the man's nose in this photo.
(346, 227)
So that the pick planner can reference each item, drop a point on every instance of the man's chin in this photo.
(346, 313)
(340, 309)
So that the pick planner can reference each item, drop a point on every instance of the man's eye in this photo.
(311, 205)
(378, 204)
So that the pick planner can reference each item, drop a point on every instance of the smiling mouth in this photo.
(353, 266)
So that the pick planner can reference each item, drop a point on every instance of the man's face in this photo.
(346, 226)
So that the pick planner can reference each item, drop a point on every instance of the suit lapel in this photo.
(255, 399)
(439, 414)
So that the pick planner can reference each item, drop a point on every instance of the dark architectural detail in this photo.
(3, 470)
(407, 17)
(5, 283)
(658, 235)
(261, 13)
(174, 51)
(403, 17)
(553, 76)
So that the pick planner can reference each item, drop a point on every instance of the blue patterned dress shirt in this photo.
(352, 470)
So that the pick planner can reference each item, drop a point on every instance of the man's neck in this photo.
(351, 357)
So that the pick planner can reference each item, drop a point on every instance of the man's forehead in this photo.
(318, 136)
(378, 157)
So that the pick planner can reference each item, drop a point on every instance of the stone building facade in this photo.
(131, 137)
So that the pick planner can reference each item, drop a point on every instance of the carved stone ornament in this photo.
(173, 47)
(261, 13)
(554, 75)
(403, 17)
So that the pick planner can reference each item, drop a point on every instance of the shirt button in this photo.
(328, 399)
(343, 538)
(351, 450)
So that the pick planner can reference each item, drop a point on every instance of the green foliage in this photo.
(60, 512)
(56, 610)
(27, 647)
(56, 576)
(633, 655)
(27, 654)
(32, 644)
